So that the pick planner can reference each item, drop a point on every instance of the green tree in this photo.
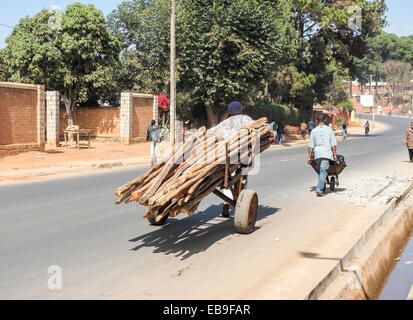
(226, 49)
(71, 52)
(143, 26)
(325, 42)
(380, 49)
(3, 67)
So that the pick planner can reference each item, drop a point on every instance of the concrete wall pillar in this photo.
(126, 117)
(41, 117)
(155, 109)
(53, 109)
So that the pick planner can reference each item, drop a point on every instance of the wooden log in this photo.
(169, 166)
(138, 180)
(165, 211)
(191, 180)
(205, 193)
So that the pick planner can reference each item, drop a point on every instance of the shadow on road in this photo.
(192, 235)
(357, 279)
(312, 255)
(328, 191)
(362, 135)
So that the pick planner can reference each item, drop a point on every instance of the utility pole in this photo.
(371, 84)
(173, 83)
(371, 80)
(411, 92)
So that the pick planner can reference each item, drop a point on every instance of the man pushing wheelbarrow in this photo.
(322, 149)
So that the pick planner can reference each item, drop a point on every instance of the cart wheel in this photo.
(332, 183)
(246, 211)
(152, 219)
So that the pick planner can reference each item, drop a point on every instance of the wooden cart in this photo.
(245, 201)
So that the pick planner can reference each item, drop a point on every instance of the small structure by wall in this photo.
(22, 118)
(136, 112)
(332, 115)
(104, 122)
(127, 124)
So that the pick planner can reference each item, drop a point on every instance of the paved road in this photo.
(108, 251)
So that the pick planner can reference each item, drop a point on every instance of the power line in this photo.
(5, 25)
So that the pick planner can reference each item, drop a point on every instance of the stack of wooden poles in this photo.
(195, 169)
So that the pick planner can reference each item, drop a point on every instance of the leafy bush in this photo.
(348, 105)
(277, 112)
(339, 120)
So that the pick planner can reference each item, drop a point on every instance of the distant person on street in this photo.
(281, 131)
(409, 113)
(275, 129)
(380, 109)
(310, 126)
(344, 128)
(323, 148)
(303, 130)
(367, 128)
(408, 141)
(153, 136)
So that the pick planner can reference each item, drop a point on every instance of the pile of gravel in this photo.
(375, 190)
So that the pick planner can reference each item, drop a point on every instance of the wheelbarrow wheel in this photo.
(225, 211)
(152, 219)
(245, 214)
(332, 183)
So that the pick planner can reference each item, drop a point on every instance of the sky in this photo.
(399, 14)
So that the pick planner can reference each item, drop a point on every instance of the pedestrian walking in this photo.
(281, 131)
(310, 126)
(344, 129)
(153, 136)
(380, 109)
(408, 141)
(367, 128)
(303, 130)
(275, 129)
(322, 148)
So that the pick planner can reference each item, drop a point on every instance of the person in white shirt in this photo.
(236, 120)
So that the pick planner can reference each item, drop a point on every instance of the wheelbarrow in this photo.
(336, 167)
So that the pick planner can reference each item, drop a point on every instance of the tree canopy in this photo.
(324, 47)
(227, 48)
(301, 50)
(143, 27)
(380, 49)
(71, 52)
(3, 67)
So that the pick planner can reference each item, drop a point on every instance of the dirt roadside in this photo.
(60, 162)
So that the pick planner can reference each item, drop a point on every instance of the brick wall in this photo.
(142, 115)
(136, 112)
(22, 116)
(103, 122)
(18, 115)
(106, 122)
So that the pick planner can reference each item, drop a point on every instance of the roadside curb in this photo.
(410, 296)
(75, 168)
(320, 291)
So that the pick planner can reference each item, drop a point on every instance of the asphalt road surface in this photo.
(109, 251)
